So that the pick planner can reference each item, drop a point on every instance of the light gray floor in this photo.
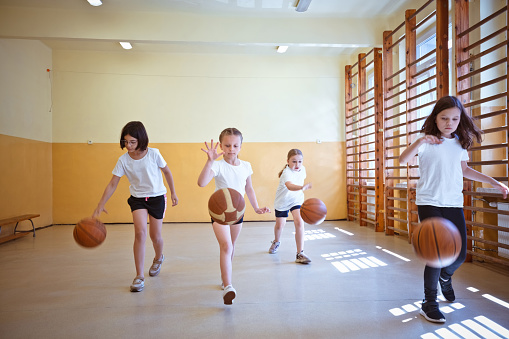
(52, 288)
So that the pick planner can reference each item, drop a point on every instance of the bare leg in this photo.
(278, 228)
(299, 230)
(156, 226)
(140, 236)
(226, 237)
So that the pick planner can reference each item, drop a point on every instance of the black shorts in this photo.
(241, 220)
(284, 214)
(156, 206)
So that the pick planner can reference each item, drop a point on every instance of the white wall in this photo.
(191, 98)
(25, 89)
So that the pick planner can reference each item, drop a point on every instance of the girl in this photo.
(442, 150)
(142, 165)
(230, 172)
(289, 197)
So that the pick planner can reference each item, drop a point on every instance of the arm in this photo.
(252, 198)
(472, 174)
(293, 187)
(169, 179)
(412, 150)
(108, 192)
(206, 173)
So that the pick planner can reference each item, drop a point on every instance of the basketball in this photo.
(313, 211)
(226, 206)
(89, 232)
(437, 241)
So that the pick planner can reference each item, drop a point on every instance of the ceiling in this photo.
(249, 9)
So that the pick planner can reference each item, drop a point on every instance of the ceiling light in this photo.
(303, 5)
(126, 45)
(282, 49)
(95, 2)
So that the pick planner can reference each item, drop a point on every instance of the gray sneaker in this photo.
(138, 284)
(156, 266)
(302, 258)
(274, 247)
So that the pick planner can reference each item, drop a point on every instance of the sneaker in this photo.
(138, 284)
(222, 286)
(302, 258)
(431, 312)
(156, 266)
(229, 294)
(274, 247)
(447, 290)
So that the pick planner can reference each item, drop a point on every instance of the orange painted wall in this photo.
(82, 171)
(26, 180)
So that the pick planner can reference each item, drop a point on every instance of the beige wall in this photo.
(277, 102)
(26, 176)
(191, 98)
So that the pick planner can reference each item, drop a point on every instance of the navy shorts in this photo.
(241, 220)
(156, 206)
(284, 214)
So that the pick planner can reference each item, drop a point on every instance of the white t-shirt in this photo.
(286, 199)
(229, 176)
(144, 175)
(441, 176)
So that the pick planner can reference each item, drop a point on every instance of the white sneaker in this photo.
(156, 266)
(229, 294)
(138, 284)
(274, 247)
(302, 258)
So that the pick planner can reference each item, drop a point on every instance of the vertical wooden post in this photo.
(379, 140)
(442, 54)
(461, 24)
(361, 87)
(411, 50)
(349, 120)
(387, 71)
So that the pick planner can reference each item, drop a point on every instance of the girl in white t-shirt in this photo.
(230, 172)
(289, 197)
(442, 152)
(143, 166)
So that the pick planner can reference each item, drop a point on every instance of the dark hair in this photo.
(137, 131)
(466, 130)
(230, 131)
(291, 153)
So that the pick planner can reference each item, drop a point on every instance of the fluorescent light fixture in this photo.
(303, 5)
(282, 49)
(126, 45)
(95, 2)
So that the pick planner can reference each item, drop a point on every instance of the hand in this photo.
(501, 187)
(262, 210)
(212, 150)
(174, 200)
(307, 186)
(98, 212)
(431, 139)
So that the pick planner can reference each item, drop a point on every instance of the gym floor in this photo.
(361, 284)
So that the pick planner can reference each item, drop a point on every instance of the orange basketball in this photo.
(437, 241)
(313, 211)
(89, 232)
(226, 206)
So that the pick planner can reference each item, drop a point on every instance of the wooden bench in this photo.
(17, 220)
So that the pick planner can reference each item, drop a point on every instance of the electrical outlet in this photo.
(90, 142)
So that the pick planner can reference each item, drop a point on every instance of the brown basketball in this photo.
(313, 211)
(89, 232)
(437, 241)
(226, 206)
